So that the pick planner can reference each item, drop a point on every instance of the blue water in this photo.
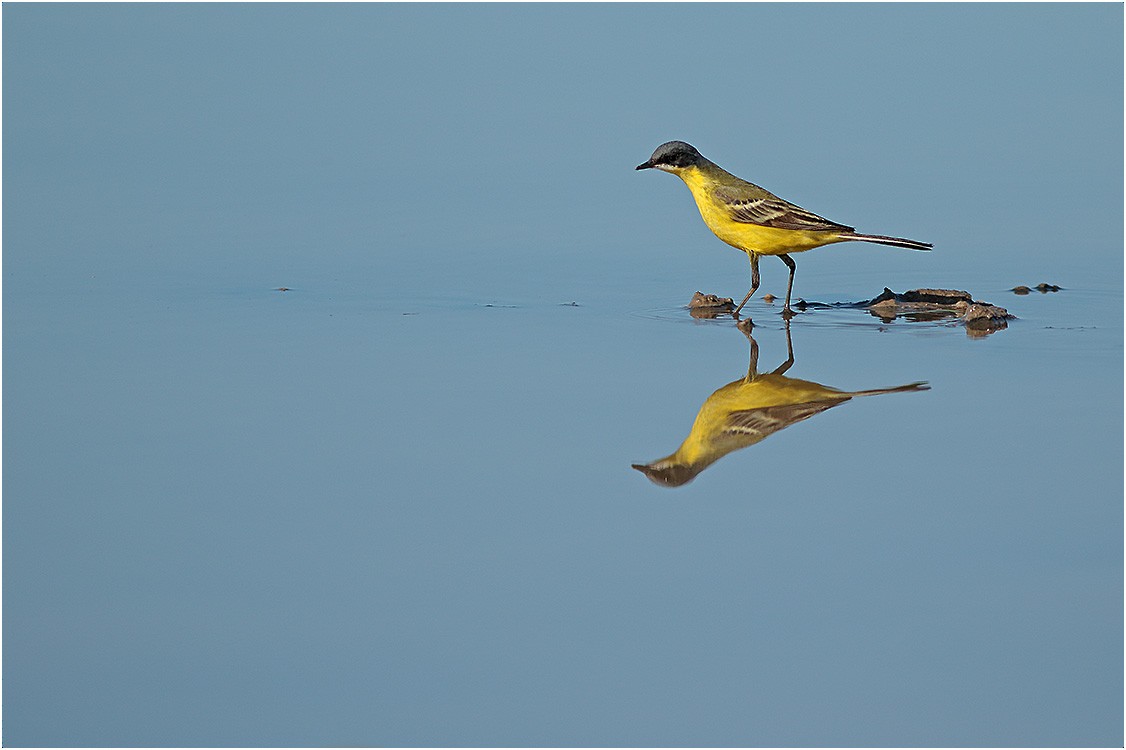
(394, 504)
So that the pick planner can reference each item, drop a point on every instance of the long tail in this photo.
(920, 386)
(894, 241)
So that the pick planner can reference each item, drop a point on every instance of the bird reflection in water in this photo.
(742, 413)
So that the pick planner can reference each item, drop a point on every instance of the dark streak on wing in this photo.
(776, 213)
(758, 423)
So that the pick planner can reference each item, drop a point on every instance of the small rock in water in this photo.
(709, 305)
(982, 318)
(710, 302)
(768, 298)
(1043, 288)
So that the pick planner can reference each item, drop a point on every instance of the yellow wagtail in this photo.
(748, 410)
(755, 220)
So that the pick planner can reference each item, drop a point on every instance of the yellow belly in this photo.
(752, 238)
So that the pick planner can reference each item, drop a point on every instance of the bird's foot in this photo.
(787, 313)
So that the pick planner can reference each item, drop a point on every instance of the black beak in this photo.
(646, 165)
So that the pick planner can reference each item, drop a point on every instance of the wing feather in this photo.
(759, 423)
(774, 212)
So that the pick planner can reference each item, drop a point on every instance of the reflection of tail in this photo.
(922, 385)
(894, 241)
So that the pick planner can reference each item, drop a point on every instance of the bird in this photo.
(748, 410)
(754, 220)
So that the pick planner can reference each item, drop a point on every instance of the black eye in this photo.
(680, 159)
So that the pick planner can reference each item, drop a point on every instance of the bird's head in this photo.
(674, 156)
(668, 472)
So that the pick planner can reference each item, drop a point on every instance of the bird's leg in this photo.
(787, 313)
(752, 370)
(789, 351)
(754, 282)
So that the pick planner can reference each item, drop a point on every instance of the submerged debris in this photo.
(980, 318)
(1042, 287)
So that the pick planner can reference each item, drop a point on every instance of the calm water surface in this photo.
(394, 505)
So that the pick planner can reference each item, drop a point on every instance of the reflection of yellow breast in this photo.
(749, 237)
(748, 395)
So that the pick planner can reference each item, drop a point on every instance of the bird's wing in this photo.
(773, 212)
(759, 423)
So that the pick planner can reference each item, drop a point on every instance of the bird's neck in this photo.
(704, 173)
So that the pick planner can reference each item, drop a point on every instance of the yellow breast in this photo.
(750, 238)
